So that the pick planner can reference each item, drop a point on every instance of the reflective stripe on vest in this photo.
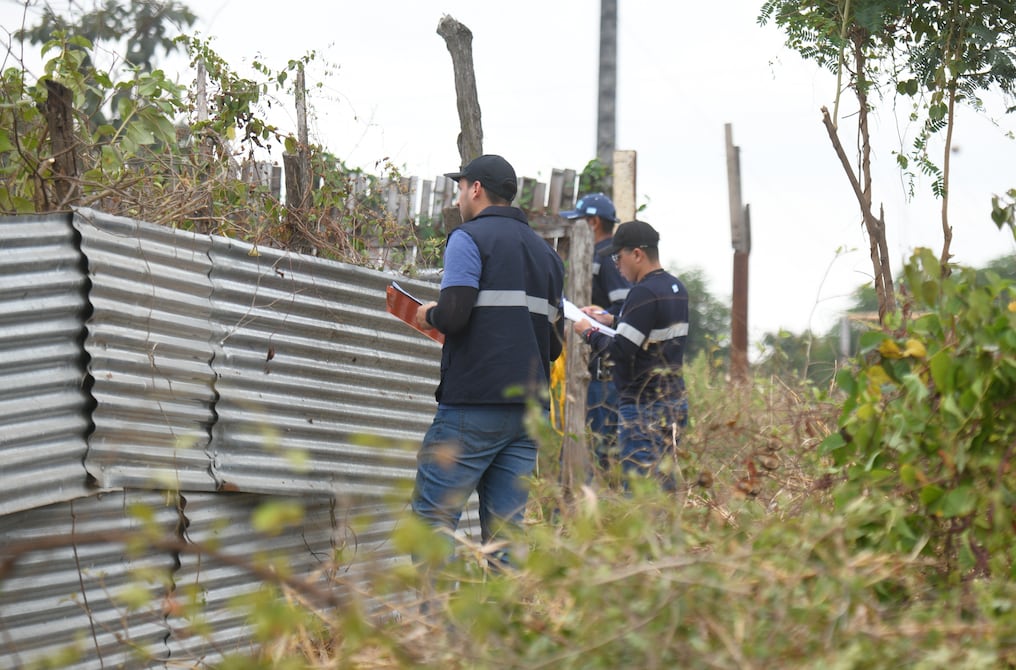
(517, 299)
(630, 332)
(618, 294)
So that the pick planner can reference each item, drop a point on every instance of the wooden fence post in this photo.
(60, 119)
(740, 239)
(298, 175)
(575, 460)
(624, 185)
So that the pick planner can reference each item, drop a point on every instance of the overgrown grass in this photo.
(865, 526)
(749, 565)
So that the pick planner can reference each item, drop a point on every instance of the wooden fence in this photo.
(415, 201)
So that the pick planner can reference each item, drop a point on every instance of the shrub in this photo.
(928, 428)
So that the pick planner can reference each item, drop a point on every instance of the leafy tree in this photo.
(816, 357)
(937, 53)
(159, 164)
(143, 26)
(865, 300)
(111, 158)
(805, 357)
(146, 26)
(1003, 266)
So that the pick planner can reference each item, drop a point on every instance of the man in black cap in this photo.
(647, 350)
(500, 310)
(609, 289)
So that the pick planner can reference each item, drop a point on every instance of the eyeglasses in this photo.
(616, 257)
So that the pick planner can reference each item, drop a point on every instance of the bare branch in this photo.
(874, 226)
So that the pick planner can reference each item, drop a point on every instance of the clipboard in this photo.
(573, 313)
(402, 304)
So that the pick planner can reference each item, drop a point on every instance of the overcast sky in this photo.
(685, 69)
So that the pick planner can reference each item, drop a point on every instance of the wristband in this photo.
(427, 317)
(587, 332)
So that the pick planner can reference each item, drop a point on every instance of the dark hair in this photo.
(495, 198)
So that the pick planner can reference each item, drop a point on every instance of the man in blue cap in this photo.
(609, 292)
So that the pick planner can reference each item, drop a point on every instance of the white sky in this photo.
(685, 69)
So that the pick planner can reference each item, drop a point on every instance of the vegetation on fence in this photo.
(132, 142)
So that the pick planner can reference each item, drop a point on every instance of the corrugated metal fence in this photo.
(197, 377)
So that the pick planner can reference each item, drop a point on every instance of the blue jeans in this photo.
(646, 434)
(483, 448)
(601, 417)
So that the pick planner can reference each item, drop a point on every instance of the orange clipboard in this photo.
(402, 304)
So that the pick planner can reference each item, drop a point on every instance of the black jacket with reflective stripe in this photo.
(648, 350)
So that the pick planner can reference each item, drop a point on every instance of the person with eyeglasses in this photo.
(609, 289)
(648, 353)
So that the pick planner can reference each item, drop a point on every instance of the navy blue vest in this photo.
(502, 357)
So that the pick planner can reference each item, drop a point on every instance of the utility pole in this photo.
(606, 124)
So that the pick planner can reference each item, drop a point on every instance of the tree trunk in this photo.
(946, 228)
(874, 226)
(459, 40)
(878, 248)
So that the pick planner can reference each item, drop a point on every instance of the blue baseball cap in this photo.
(594, 204)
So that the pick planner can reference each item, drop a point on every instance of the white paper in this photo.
(573, 313)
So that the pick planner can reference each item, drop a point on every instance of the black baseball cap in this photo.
(634, 234)
(493, 172)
